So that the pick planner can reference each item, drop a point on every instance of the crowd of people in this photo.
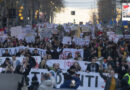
(113, 57)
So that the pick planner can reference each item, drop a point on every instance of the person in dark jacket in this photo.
(6, 54)
(31, 61)
(86, 53)
(55, 53)
(122, 70)
(112, 83)
(126, 81)
(93, 66)
(8, 66)
(71, 81)
(35, 53)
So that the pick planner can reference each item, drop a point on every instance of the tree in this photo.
(49, 7)
(31, 7)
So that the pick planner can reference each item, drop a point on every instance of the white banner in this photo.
(81, 41)
(66, 51)
(13, 51)
(37, 59)
(66, 64)
(113, 38)
(66, 40)
(17, 31)
(89, 81)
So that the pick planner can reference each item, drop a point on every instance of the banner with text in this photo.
(66, 64)
(13, 51)
(37, 59)
(89, 81)
(74, 52)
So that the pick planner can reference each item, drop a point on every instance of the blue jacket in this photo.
(67, 83)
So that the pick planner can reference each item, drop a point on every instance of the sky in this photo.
(88, 4)
(83, 11)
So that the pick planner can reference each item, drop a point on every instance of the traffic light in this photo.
(36, 14)
(20, 14)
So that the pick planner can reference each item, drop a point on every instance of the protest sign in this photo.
(74, 52)
(66, 40)
(37, 59)
(13, 51)
(66, 64)
(15, 31)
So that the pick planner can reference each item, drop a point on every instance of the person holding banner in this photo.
(54, 53)
(6, 54)
(112, 83)
(15, 62)
(77, 66)
(56, 68)
(35, 53)
(31, 61)
(78, 56)
(93, 66)
(7, 65)
(43, 64)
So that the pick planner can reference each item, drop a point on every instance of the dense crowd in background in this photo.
(114, 54)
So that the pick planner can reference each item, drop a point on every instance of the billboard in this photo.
(126, 11)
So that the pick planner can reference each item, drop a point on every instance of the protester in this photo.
(93, 66)
(55, 54)
(113, 53)
(6, 54)
(56, 68)
(15, 62)
(78, 56)
(8, 66)
(43, 64)
(112, 83)
(35, 53)
(122, 69)
(77, 66)
(109, 68)
(126, 81)
(47, 82)
(69, 56)
(31, 61)
(71, 81)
